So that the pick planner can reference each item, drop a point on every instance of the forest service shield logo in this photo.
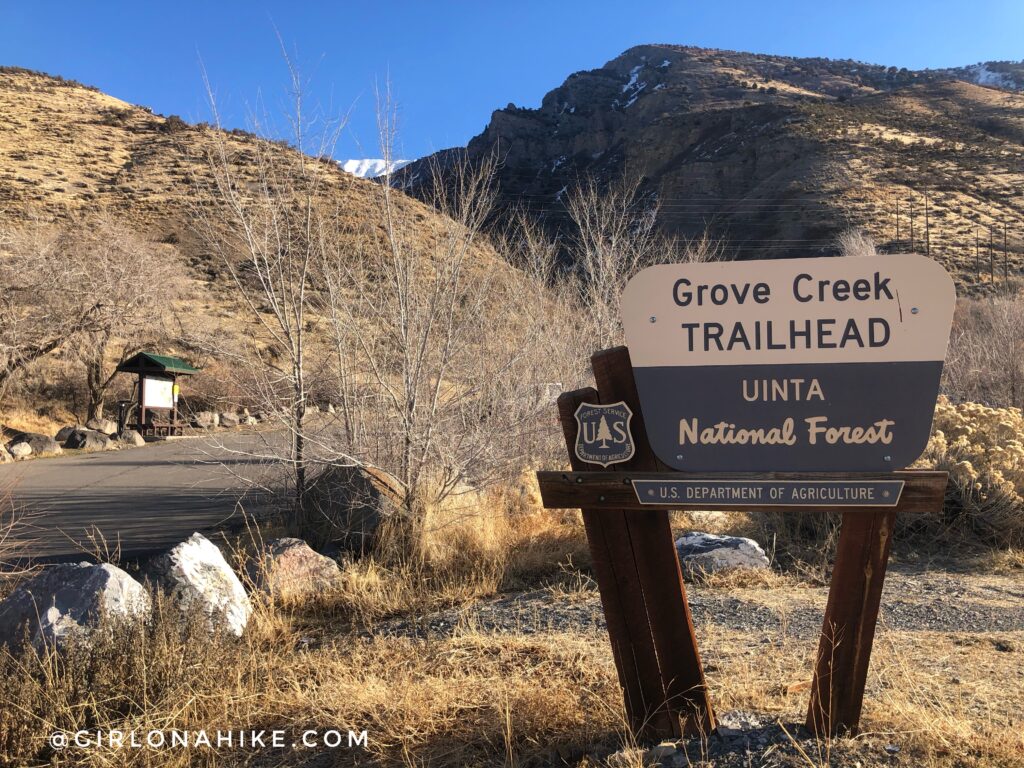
(604, 436)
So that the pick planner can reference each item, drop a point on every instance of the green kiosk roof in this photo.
(147, 362)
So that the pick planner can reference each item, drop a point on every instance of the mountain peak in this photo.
(777, 155)
(371, 167)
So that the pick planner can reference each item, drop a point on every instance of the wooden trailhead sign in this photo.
(702, 435)
(807, 365)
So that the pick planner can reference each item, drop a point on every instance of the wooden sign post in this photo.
(670, 430)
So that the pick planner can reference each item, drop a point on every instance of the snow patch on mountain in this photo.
(371, 167)
(634, 75)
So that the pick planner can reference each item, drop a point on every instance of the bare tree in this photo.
(614, 237)
(42, 298)
(138, 281)
(420, 366)
(87, 284)
(266, 216)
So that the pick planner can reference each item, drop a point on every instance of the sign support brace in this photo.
(641, 584)
(642, 592)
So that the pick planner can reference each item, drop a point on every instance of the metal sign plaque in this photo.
(804, 365)
(603, 436)
(770, 493)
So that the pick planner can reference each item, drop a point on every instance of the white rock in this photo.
(131, 437)
(70, 598)
(106, 426)
(198, 577)
(708, 553)
(19, 450)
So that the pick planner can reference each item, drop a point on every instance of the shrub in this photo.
(984, 363)
(982, 449)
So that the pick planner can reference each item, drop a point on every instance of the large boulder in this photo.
(290, 568)
(107, 427)
(69, 599)
(205, 419)
(198, 578)
(89, 440)
(131, 437)
(39, 445)
(706, 553)
(354, 501)
(229, 419)
(65, 432)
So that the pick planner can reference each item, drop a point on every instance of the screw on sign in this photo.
(767, 385)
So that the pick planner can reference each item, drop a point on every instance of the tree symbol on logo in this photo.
(603, 433)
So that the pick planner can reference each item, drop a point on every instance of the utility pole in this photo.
(991, 257)
(927, 228)
(977, 253)
(1006, 262)
(912, 225)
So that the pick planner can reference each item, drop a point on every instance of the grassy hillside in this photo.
(66, 148)
(68, 151)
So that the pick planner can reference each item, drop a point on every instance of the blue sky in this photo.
(452, 63)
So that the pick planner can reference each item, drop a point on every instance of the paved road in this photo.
(146, 498)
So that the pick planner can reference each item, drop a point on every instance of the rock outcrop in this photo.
(65, 432)
(205, 419)
(228, 419)
(132, 438)
(756, 151)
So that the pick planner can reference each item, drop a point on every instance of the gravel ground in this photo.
(746, 740)
(913, 600)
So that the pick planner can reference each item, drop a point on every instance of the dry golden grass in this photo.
(477, 697)
(46, 422)
(480, 699)
(946, 699)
